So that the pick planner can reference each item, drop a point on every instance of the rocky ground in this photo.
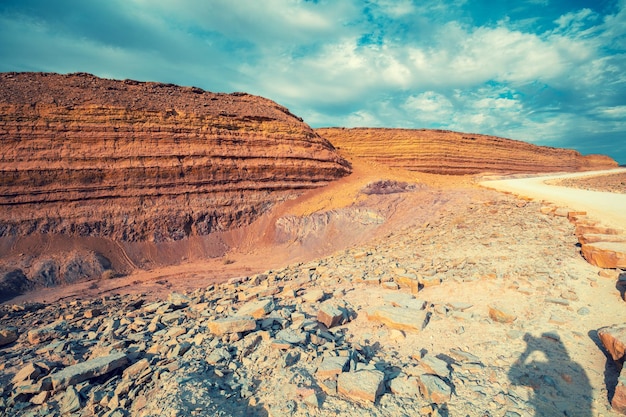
(486, 309)
(615, 183)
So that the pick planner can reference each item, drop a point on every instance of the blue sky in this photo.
(550, 72)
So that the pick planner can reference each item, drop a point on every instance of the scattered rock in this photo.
(43, 334)
(361, 385)
(8, 336)
(256, 309)
(605, 254)
(71, 401)
(434, 365)
(83, 371)
(229, 325)
(501, 314)
(28, 372)
(329, 315)
(332, 366)
(434, 389)
(400, 318)
(405, 386)
(613, 339)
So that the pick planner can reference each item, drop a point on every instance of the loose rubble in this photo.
(335, 337)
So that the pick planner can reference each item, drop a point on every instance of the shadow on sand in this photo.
(560, 387)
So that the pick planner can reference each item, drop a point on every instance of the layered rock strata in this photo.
(445, 152)
(137, 161)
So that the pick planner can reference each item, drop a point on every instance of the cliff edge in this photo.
(446, 152)
(144, 161)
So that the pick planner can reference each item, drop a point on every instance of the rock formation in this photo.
(300, 340)
(445, 152)
(144, 161)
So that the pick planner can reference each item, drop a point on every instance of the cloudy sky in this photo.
(551, 72)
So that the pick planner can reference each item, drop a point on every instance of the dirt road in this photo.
(608, 208)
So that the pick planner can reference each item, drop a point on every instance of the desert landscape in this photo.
(167, 251)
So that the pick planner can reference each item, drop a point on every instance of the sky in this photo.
(549, 72)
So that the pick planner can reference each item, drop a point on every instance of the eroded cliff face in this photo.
(445, 152)
(136, 161)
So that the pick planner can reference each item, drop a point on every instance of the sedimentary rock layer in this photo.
(445, 152)
(138, 161)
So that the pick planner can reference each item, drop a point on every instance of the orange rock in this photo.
(400, 318)
(573, 216)
(582, 229)
(596, 237)
(613, 339)
(605, 254)
(445, 152)
(501, 315)
(619, 398)
(408, 281)
(143, 161)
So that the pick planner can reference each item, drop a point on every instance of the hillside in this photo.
(137, 161)
(445, 152)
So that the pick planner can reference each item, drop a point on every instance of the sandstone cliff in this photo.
(142, 161)
(445, 152)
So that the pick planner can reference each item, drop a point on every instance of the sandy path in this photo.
(608, 208)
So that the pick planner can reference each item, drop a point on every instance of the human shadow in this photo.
(560, 386)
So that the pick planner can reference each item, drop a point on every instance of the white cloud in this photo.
(429, 107)
(407, 64)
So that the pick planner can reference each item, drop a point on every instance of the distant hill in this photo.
(446, 152)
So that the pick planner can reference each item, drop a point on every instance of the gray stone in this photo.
(434, 365)
(178, 301)
(218, 355)
(71, 401)
(363, 385)
(313, 296)
(257, 308)
(43, 334)
(292, 336)
(434, 389)
(332, 366)
(404, 386)
(80, 372)
(8, 335)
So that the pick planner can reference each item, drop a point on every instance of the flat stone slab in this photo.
(364, 385)
(605, 254)
(613, 339)
(228, 325)
(49, 332)
(401, 318)
(598, 237)
(257, 308)
(291, 336)
(332, 366)
(401, 299)
(83, 371)
(434, 365)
